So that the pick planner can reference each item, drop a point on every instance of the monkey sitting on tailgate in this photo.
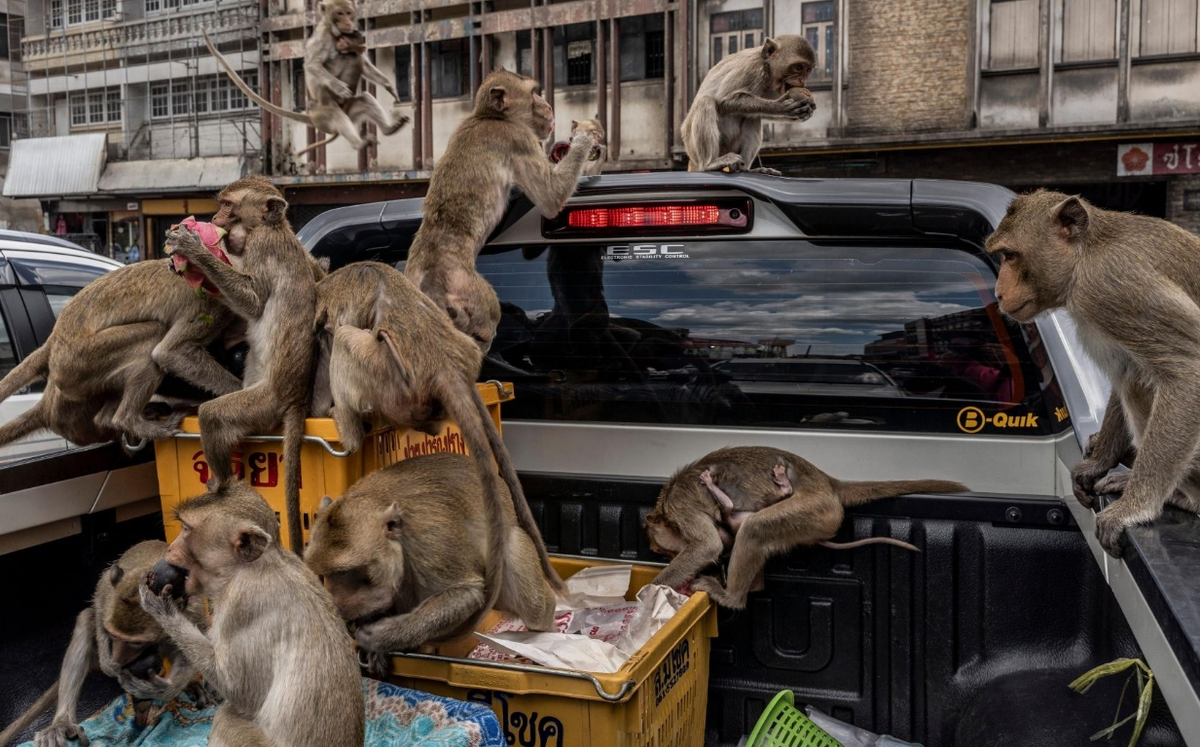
(688, 523)
(1132, 285)
(276, 651)
(384, 347)
(108, 352)
(723, 128)
(117, 637)
(271, 284)
(497, 147)
(415, 554)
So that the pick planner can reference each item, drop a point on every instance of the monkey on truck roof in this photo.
(773, 510)
(276, 651)
(1132, 285)
(271, 284)
(415, 553)
(723, 127)
(108, 352)
(335, 62)
(120, 639)
(497, 147)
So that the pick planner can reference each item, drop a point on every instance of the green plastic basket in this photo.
(783, 725)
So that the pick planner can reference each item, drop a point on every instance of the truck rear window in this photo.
(764, 334)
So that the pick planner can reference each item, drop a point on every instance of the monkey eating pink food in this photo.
(213, 238)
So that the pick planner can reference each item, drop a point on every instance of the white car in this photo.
(38, 275)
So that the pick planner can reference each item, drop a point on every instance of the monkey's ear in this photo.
(498, 98)
(1072, 218)
(574, 124)
(249, 543)
(115, 574)
(326, 502)
(275, 210)
(392, 522)
(321, 8)
(769, 48)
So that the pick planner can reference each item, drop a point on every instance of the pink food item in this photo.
(213, 238)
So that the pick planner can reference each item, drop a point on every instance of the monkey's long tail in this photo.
(246, 89)
(30, 715)
(520, 504)
(317, 144)
(456, 395)
(34, 368)
(293, 439)
(856, 493)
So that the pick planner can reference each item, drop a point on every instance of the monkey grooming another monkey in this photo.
(723, 128)
(688, 522)
(498, 146)
(1132, 284)
(386, 348)
(415, 553)
(107, 355)
(276, 651)
(117, 637)
(271, 285)
(332, 73)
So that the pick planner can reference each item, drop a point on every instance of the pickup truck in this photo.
(852, 322)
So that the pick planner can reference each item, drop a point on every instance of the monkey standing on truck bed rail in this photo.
(385, 347)
(115, 635)
(1132, 285)
(498, 146)
(689, 517)
(271, 284)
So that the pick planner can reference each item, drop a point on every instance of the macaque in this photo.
(115, 636)
(1132, 285)
(386, 349)
(333, 68)
(599, 153)
(723, 129)
(411, 554)
(276, 650)
(736, 495)
(497, 147)
(108, 352)
(271, 284)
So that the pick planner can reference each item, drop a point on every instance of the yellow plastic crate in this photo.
(326, 468)
(657, 699)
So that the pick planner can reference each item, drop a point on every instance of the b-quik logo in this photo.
(973, 420)
(617, 252)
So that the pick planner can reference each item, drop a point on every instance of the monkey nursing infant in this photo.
(763, 502)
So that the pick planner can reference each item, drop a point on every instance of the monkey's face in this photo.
(130, 629)
(341, 16)
(211, 546)
(790, 60)
(664, 540)
(245, 208)
(1037, 244)
(357, 550)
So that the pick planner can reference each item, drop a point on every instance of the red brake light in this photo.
(636, 217)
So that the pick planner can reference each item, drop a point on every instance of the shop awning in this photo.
(55, 166)
(170, 175)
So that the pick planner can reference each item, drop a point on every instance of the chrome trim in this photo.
(277, 439)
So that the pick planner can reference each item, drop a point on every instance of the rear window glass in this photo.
(764, 334)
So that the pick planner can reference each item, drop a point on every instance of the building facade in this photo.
(131, 124)
(21, 215)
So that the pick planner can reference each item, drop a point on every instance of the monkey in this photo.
(498, 146)
(723, 128)
(108, 352)
(411, 555)
(389, 349)
(117, 637)
(687, 521)
(332, 74)
(1060, 251)
(271, 284)
(276, 650)
(596, 157)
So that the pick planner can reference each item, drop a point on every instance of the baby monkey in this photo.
(276, 651)
(763, 502)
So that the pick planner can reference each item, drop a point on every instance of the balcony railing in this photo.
(120, 39)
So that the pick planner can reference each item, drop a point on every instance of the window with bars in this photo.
(820, 29)
(447, 63)
(95, 107)
(113, 100)
(728, 30)
(1166, 27)
(181, 94)
(153, 6)
(16, 29)
(108, 8)
(404, 72)
(580, 41)
(91, 10)
(642, 47)
(56, 14)
(160, 100)
(6, 121)
(78, 110)
(210, 94)
(75, 11)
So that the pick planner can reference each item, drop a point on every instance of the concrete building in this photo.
(130, 125)
(21, 215)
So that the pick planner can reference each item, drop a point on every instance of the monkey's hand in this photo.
(393, 93)
(388, 635)
(184, 241)
(1112, 522)
(786, 106)
(154, 687)
(584, 140)
(340, 90)
(714, 589)
(1083, 480)
(58, 733)
(162, 607)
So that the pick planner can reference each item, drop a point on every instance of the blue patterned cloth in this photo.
(396, 717)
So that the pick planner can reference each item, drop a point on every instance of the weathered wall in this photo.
(1177, 213)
